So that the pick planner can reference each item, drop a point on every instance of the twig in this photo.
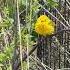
(53, 16)
(62, 17)
(41, 64)
(68, 2)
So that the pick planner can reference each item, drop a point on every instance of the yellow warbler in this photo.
(44, 26)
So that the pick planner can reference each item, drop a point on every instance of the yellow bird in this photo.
(44, 26)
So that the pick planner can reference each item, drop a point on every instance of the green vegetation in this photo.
(17, 35)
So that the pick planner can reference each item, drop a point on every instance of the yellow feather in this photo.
(44, 26)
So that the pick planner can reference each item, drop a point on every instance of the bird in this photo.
(44, 26)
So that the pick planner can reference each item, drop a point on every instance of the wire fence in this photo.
(55, 51)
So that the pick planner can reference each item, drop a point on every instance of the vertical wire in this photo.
(50, 53)
(60, 39)
(42, 49)
(54, 12)
(65, 35)
(68, 14)
(50, 45)
(68, 37)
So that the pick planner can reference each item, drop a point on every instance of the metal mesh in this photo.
(55, 51)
